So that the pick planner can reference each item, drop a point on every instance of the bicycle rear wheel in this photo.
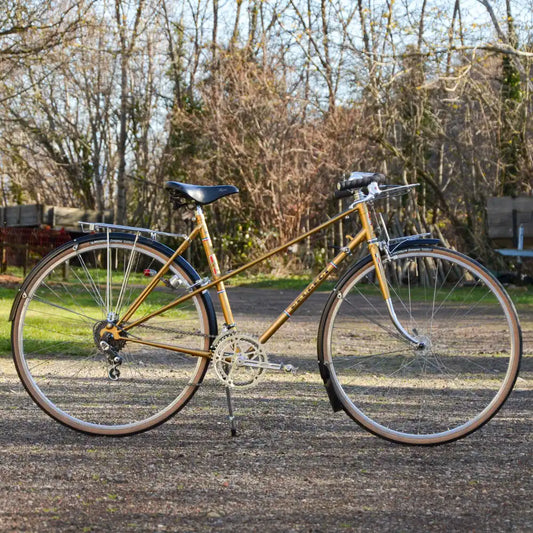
(56, 336)
(448, 385)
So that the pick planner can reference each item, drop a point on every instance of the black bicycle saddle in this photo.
(199, 194)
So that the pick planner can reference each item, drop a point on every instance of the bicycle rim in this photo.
(57, 342)
(458, 376)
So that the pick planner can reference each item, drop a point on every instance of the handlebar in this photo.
(343, 194)
(356, 180)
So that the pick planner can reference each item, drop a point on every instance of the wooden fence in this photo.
(28, 232)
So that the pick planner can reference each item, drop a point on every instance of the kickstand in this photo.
(231, 417)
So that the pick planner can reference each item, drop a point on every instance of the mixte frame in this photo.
(367, 234)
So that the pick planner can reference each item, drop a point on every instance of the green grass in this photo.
(16, 271)
(43, 331)
(521, 296)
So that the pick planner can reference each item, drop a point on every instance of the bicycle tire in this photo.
(57, 319)
(459, 376)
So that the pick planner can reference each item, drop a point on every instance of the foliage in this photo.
(101, 104)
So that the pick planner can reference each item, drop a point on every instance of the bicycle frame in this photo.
(365, 234)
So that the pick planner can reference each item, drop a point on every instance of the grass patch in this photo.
(16, 271)
(521, 296)
(45, 323)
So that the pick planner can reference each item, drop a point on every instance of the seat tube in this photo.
(213, 266)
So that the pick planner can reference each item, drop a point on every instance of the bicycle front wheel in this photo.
(58, 320)
(446, 385)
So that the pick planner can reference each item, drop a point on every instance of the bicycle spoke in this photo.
(126, 278)
(88, 319)
(93, 287)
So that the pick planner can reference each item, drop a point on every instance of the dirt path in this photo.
(295, 466)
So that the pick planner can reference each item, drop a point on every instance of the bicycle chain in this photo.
(177, 331)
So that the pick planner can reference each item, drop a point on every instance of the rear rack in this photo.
(89, 227)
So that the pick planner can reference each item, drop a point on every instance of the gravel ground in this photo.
(295, 466)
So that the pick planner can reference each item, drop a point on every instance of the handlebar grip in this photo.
(360, 179)
(343, 194)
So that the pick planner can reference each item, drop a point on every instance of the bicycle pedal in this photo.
(290, 369)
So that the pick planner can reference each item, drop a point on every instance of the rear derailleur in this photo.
(113, 359)
(110, 346)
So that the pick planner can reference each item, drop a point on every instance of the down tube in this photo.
(302, 297)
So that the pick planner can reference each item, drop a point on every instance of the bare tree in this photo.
(280, 98)
(127, 41)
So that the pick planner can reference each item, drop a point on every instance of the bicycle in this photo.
(113, 332)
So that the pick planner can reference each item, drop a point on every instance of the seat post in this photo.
(213, 265)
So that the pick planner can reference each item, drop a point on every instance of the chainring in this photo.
(230, 350)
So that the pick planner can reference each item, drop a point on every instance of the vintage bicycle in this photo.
(113, 332)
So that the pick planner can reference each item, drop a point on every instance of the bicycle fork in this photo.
(375, 253)
(384, 286)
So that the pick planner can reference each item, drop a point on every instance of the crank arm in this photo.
(243, 361)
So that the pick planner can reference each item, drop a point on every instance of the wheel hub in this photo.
(102, 332)
(424, 344)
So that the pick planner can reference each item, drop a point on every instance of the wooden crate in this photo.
(17, 216)
(37, 215)
(68, 217)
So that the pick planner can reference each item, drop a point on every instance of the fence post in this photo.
(4, 258)
(25, 260)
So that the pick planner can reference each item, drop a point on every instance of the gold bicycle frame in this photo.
(366, 233)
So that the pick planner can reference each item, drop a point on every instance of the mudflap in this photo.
(336, 404)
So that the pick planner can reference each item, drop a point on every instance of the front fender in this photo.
(398, 246)
(409, 242)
